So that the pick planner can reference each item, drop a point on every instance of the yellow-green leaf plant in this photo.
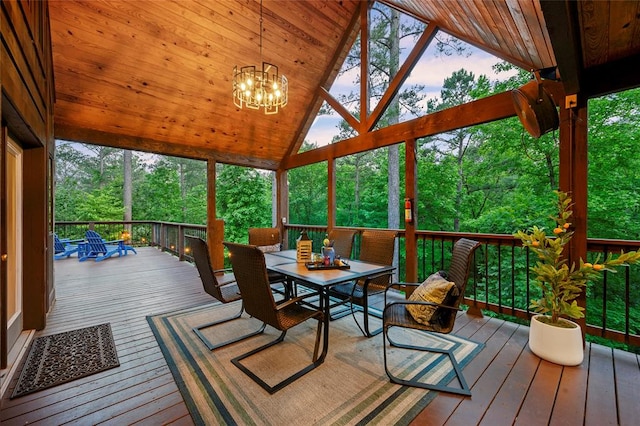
(560, 283)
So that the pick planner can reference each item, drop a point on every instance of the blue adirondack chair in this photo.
(95, 247)
(64, 247)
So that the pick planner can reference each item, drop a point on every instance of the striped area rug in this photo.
(350, 387)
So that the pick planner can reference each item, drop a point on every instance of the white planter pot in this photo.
(556, 344)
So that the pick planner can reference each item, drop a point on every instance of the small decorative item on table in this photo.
(328, 253)
(304, 248)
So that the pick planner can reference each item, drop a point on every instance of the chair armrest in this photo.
(422, 302)
(67, 241)
(221, 282)
(294, 300)
(398, 286)
(370, 278)
(402, 284)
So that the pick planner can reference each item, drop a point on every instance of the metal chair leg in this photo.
(273, 389)
(462, 390)
(212, 346)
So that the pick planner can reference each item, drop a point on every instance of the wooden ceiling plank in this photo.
(196, 56)
(635, 39)
(518, 10)
(312, 45)
(543, 43)
(595, 35)
(515, 43)
(485, 24)
(327, 79)
(433, 14)
(625, 18)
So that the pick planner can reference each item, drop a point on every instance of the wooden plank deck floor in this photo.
(510, 385)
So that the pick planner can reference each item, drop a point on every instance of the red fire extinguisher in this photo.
(408, 211)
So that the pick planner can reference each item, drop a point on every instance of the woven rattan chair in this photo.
(250, 270)
(264, 237)
(342, 242)
(396, 315)
(375, 247)
(268, 239)
(219, 283)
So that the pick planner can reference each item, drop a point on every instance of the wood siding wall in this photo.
(27, 83)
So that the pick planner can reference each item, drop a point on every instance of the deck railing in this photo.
(500, 282)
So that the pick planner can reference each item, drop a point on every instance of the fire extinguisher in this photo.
(408, 211)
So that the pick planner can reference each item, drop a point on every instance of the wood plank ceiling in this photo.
(156, 76)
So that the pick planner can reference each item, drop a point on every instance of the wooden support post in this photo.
(573, 179)
(331, 194)
(411, 192)
(282, 205)
(215, 252)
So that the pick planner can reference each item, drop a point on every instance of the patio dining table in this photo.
(284, 262)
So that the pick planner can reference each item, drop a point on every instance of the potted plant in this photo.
(553, 336)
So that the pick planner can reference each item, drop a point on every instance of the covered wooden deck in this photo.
(510, 385)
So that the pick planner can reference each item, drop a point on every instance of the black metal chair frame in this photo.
(396, 315)
(224, 291)
(252, 277)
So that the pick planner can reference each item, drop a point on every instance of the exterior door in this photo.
(13, 234)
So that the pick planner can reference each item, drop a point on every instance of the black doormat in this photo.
(63, 357)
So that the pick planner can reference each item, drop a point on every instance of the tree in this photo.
(387, 29)
(243, 200)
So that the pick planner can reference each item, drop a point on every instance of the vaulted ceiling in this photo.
(156, 75)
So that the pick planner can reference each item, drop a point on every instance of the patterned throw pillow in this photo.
(434, 289)
(270, 249)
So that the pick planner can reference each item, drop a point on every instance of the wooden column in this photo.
(282, 204)
(573, 179)
(215, 228)
(331, 194)
(411, 192)
(35, 231)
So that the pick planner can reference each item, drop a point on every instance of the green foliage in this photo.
(308, 194)
(243, 200)
(560, 283)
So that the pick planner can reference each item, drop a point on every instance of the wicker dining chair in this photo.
(269, 239)
(265, 237)
(376, 246)
(219, 283)
(395, 314)
(342, 242)
(250, 270)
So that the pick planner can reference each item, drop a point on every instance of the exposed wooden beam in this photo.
(94, 137)
(612, 77)
(563, 27)
(340, 109)
(401, 76)
(411, 192)
(491, 108)
(364, 68)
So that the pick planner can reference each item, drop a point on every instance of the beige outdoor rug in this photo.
(350, 387)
